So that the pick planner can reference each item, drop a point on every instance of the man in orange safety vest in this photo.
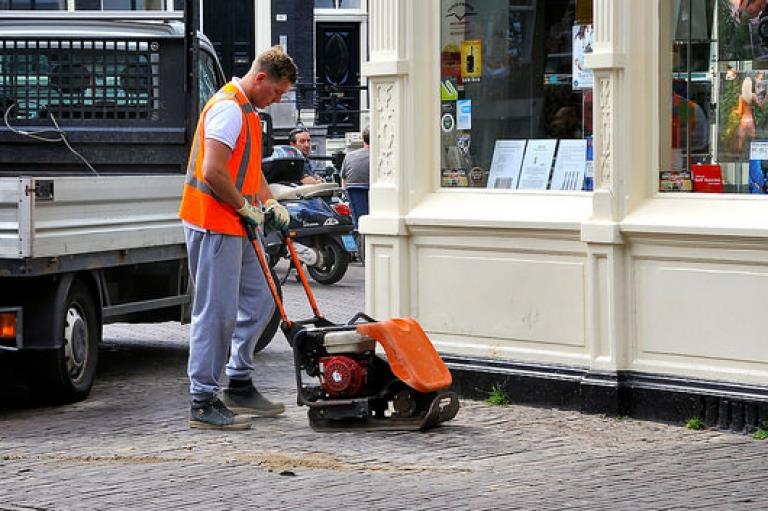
(224, 187)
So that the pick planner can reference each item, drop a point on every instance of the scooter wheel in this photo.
(336, 260)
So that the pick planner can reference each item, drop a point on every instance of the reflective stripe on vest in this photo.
(241, 171)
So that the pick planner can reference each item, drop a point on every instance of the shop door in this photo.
(232, 33)
(337, 59)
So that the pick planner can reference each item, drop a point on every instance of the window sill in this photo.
(699, 214)
(502, 209)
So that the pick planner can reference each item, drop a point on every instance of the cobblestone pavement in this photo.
(128, 447)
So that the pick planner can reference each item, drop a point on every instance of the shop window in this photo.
(133, 5)
(338, 4)
(719, 115)
(40, 5)
(87, 5)
(122, 5)
(516, 98)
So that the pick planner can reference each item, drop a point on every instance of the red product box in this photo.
(707, 178)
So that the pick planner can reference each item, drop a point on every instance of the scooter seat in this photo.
(287, 192)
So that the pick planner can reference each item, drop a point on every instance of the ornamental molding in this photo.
(606, 132)
(385, 113)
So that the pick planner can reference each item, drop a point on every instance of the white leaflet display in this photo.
(505, 165)
(758, 150)
(537, 164)
(570, 165)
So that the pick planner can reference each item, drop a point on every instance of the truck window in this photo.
(208, 82)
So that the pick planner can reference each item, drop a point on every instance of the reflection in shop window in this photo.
(719, 125)
(337, 4)
(516, 98)
(133, 5)
(39, 5)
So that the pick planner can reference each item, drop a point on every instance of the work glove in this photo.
(280, 216)
(251, 214)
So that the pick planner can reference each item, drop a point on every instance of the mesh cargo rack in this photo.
(120, 100)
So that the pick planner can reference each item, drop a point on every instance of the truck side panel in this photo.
(83, 215)
(15, 218)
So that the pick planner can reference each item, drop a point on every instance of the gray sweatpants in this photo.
(232, 307)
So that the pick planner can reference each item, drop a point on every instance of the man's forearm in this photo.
(221, 184)
(217, 176)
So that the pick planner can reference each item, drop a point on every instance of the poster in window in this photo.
(758, 167)
(464, 114)
(450, 63)
(743, 29)
(471, 60)
(505, 164)
(742, 115)
(707, 178)
(581, 76)
(537, 164)
(570, 165)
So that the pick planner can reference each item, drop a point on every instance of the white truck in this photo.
(98, 111)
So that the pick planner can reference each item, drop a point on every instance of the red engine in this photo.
(342, 376)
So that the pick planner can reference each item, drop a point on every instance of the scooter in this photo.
(321, 223)
(348, 385)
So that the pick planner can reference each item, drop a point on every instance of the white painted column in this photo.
(607, 325)
(387, 71)
(263, 25)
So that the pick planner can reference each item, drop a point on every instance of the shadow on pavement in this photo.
(117, 360)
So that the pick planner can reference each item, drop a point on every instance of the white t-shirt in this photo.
(225, 120)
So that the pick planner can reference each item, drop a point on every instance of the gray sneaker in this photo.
(212, 414)
(247, 400)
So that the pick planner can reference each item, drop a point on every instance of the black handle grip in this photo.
(251, 231)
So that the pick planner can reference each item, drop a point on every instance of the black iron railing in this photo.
(335, 106)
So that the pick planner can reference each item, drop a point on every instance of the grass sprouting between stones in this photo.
(497, 397)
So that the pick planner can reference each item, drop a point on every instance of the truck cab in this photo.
(97, 117)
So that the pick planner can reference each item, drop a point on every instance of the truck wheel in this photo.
(336, 260)
(66, 375)
(271, 329)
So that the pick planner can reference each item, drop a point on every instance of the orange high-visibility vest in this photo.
(199, 205)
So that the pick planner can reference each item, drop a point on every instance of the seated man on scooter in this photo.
(299, 138)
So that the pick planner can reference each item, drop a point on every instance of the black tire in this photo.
(271, 329)
(360, 240)
(66, 375)
(336, 260)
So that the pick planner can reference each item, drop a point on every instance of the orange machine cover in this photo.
(410, 353)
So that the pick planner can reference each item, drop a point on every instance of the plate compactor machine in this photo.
(345, 383)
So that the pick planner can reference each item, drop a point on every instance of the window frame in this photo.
(435, 180)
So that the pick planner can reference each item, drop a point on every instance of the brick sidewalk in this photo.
(128, 447)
